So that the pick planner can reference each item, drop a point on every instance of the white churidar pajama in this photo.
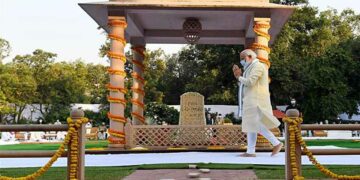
(252, 136)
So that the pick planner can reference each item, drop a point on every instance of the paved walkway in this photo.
(181, 174)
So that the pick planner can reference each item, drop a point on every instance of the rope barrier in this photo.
(72, 138)
(295, 136)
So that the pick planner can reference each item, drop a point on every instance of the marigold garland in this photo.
(260, 24)
(260, 46)
(139, 64)
(295, 136)
(114, 133)
(257, 29)
(117, 72)
(264, 60)
(138, 103)
(262, 34)
(116, 141)
(138, 116)
(116, 118)
(118, 134)
(117, 22)
(138, 90)
(116, 88)
(140, 50)
(117, 38)
(116, 100)
(138, 77)
(114, 55)
(215, 147)
(72, 138)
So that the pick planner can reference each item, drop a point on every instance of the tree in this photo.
(18, 86)
(205, 69)
(155, 66)
(67, 87)
(4, 49)
(58, 85)
(97, 79)
(159, 113)
(5, 108)
(312, 58)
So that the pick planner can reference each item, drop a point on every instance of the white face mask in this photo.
(243, 62)
(293, 102)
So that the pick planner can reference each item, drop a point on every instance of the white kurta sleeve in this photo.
(253, 77)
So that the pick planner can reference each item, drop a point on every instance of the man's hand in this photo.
(237, 71)
(235, 67)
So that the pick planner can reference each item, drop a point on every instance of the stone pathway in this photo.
(182, 174)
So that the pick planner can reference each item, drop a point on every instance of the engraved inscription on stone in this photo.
(192, 110)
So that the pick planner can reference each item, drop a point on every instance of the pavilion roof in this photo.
(160, 21)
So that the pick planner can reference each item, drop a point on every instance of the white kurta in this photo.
(256, 105)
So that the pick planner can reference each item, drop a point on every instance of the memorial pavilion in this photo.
(252, 23)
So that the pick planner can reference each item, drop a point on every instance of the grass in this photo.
(94, 173)
(52, 146)
(338, 143)
(103, 144)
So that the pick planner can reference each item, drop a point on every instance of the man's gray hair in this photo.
(248, 52)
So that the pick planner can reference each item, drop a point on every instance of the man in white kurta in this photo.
(254, 102)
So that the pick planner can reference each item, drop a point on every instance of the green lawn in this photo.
(339, 143)
(94, 173)
(53, 146)
(103, 144)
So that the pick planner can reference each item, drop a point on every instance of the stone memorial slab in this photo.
(192, 110)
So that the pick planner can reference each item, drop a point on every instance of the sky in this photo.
(62, 27)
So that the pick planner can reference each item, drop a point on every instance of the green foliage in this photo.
(158, 113)
(4, 49)
(18, 87)
(205, 69)
(97, 78)
(5, 108)
(97, 117)
(58, 85)
(37, 79)
(232, 118)
(227, 120)
(314, 60)
(155, 66)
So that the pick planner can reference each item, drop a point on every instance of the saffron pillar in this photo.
(116, 87)
(138, 92)
(262, 38)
